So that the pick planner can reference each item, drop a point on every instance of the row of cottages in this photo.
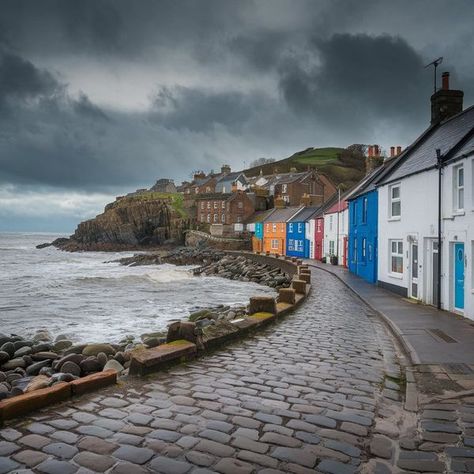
(412, 224)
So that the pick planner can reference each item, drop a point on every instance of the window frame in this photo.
(458, 189)
(398, 254)
(392, 201)
(365, 206)
(273, 245)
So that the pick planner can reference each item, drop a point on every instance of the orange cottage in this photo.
(274, 230)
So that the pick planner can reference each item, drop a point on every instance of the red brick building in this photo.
(227, 209)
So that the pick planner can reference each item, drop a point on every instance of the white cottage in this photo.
(336, 228)
(408, 243)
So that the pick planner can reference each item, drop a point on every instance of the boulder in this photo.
(43, 336)
(62, 345)
(120, 357)
(13, 364)
(40, 381)
(22, 351)
(72, 368)
(9, 348)
(62, 377)
(76, 358)
(76, 349)
(94, 349)
(44, 356)
(90, 365)
(46, 371)
(18, 344)
(4, 357)
(102, 358)
(35, 368)
(152, 342)
(3, 377)
(22, 383)
(41, 347)
(113, 364)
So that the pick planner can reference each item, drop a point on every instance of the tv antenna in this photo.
(435, 63)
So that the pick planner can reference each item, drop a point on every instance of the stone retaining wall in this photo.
(195, 238)
(286, 266)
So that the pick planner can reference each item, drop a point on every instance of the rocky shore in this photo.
(216, 263)
(39, 362)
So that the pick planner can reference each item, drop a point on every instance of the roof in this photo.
(337, 207)
(228, 179)
(260, 216)
(282, 215)
(304, 214)
(213, 196)
(421, 155)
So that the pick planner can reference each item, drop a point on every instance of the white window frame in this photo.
(216, 218)
(215, 204)
(331, 247)
(240, 205)
(459, 200)
(208, 204)
(274, 244)
(394, 200)
(330, 222)
(284, 188)
(223, 218)
(202, 205)
(395, 252)
(209, 218)
(274, 228)
(290, 227)
(300, 227)
(223, 205)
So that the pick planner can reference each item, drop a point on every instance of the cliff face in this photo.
(146, 220)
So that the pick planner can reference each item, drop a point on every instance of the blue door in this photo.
(459, 276)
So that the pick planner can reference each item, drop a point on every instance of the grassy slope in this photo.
(336, 163)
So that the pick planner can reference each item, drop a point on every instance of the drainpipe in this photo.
(439, 166)
(338, 210)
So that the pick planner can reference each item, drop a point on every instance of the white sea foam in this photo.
(80, 295)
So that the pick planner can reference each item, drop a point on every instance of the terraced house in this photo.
(413, 230)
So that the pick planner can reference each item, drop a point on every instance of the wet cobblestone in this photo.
(305, 395)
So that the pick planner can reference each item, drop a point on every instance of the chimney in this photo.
(225, 169)
(445, 102)
(234, 187)
(199, 175)
(392, 151)
(370, 152)
(376, 150)
(399, 150)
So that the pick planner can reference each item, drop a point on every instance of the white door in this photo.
(414, 270)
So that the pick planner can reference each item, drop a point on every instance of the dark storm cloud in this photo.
(256, 78)
(358, 77)
(201, 110)
(21, 81)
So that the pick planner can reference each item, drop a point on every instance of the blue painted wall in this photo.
(363, 223)
(297, 245)
(259, 230)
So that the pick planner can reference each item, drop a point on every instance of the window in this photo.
(202, 204)
(223, 189)
(208, 189)
(458, 188)
(300, 227)
(291, 244)
(274, 227)
(215, 204)
(290, 227)
(364, 249)
(395, 202)
(286, 198)
(299, 245)
(274, 244)
(203, 217)
(240, 205)
(196, 190)
(318, 225)
(239, 219)
(223, 204)
(208, 204)
(364, 210)
(331, 247)
(208, 218)
(396, 256)
(330, 223)
(284, 188)
(223, 218)
(216, 217)
(355, 212)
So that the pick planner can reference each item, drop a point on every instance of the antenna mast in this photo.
(435, 63)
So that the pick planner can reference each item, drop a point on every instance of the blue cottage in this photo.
(297, 242)
(363, 226)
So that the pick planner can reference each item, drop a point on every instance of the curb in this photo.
(411, 392)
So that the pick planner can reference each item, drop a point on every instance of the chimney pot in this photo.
(370, 151)
(376, 150)
(445, 80)
(399, 150)
(392, 151)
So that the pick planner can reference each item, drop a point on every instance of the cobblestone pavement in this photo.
(318, 392)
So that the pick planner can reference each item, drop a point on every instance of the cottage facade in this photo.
(274, 230)
(336, 226)
(297, 241)
(225, 209)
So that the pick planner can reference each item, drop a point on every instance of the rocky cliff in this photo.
(132, 222)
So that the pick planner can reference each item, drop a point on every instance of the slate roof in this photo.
(421, 155)
(260, 216)
(227, 180)
(305, 214)
(281, 215)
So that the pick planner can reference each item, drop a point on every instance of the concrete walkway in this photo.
(428, 335)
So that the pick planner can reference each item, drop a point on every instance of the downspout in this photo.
(439, 166)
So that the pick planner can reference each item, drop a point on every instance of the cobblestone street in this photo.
(318, 392)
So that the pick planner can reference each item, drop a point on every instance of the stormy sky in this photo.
(100, 97)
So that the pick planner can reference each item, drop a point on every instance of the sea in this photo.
(88, 298)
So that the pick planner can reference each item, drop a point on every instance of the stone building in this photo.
(164, 185)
